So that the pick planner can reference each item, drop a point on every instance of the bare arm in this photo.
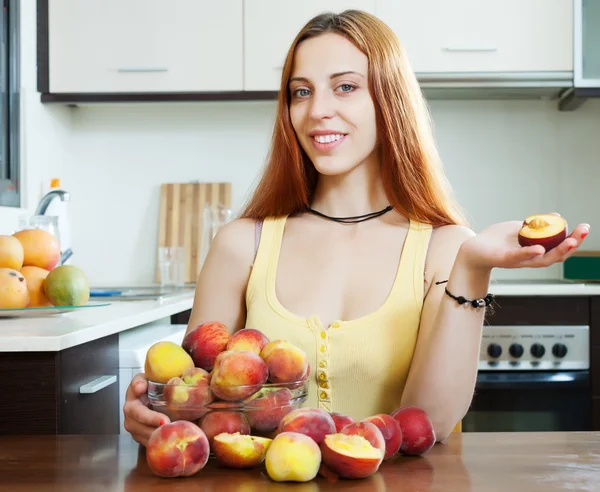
(444, 368)
(221, 287)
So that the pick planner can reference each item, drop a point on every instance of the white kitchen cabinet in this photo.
(270, 26)
(483, 35)
(587, 43)
(145, 46)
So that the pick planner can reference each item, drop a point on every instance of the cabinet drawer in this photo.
(89, 404)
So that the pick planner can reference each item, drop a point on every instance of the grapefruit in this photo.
(67, 285)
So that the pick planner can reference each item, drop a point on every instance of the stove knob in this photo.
(516, 350)
(538, 350)
(494, 350)
(559, 350)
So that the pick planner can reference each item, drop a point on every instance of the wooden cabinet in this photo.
(270, 26)
(74, 391)
(144, 46)
(483, 36)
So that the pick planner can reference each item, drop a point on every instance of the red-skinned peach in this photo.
(205, 342)
(367, 430)
(350, 455)
(240, 450)
(390, 429)
(547, 230)
(266, 408)
(312, 422)
(186, 397)
(224, 421)
(177, 449)
(418, 435)
(237, 375)
(248, 339)
(341, 420)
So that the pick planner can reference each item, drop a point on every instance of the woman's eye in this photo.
(346, 87)
(301, 92)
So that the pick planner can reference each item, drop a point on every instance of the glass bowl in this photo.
(263, 405)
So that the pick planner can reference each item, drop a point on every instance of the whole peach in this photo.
(237, 375)
(286, 362)
(292, 457)
(187, 396)
(223, 421)
(266, 408)
(418, 435)
(390, 429)
(205, 342)
(341, 420)
(177, 449)
(248, 339)
(313, 422)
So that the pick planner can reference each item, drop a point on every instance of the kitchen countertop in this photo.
(490, 462)
(59, 332)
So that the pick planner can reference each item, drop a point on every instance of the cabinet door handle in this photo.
(97, 384)
(142, 69)
(468, 50)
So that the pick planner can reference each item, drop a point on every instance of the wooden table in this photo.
(469, 462)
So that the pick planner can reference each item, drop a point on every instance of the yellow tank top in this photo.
(358, 367)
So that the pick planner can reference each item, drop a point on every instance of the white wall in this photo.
(506, 160)
(45, 130)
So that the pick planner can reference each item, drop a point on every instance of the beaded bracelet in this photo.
(476, 303)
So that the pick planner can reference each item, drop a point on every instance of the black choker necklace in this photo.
(354, 219)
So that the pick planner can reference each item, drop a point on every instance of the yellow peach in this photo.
(239, 450)
(293, 457)
(166, 360)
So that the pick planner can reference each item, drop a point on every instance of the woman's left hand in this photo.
(498, 247)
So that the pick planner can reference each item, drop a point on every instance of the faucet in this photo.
(47, 198)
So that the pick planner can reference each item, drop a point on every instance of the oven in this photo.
(531, 379)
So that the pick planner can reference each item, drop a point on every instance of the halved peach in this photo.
(350, 455)
(239, 450)
(547, 230)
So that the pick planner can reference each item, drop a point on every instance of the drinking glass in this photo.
(171, 262)
(48, 223)
(214, 218)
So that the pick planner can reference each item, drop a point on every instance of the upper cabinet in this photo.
(483, 35)
(587, 43)
(140, 46)
(270, 26)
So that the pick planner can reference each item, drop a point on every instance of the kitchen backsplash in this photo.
(505, 159)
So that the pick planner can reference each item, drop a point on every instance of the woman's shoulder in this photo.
(443, 248)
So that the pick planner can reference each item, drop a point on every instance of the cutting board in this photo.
(181, 218)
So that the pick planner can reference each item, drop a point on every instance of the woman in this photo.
(357, 235)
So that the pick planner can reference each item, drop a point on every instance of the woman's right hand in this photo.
(140, 421)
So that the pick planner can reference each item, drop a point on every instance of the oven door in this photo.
(530, 401)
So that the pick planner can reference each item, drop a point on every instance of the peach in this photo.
(313, 422)
(239, 450)
(187, 396)
(351, 455)
(286, 362)
(390, 429)
(223, 421)
(292, 457)
(205, 342)
(249, 340)
(367, 430)
(341, 420)
(34, 277)
(13, 289)
(11, 253)
(418, 435)
(547, 230)
(177, 449)
(237, 375)
(40, 248)
(166, 360)
(267, 407)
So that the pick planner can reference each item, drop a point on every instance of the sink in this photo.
(138, 292)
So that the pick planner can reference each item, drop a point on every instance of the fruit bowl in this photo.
(251, 408)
